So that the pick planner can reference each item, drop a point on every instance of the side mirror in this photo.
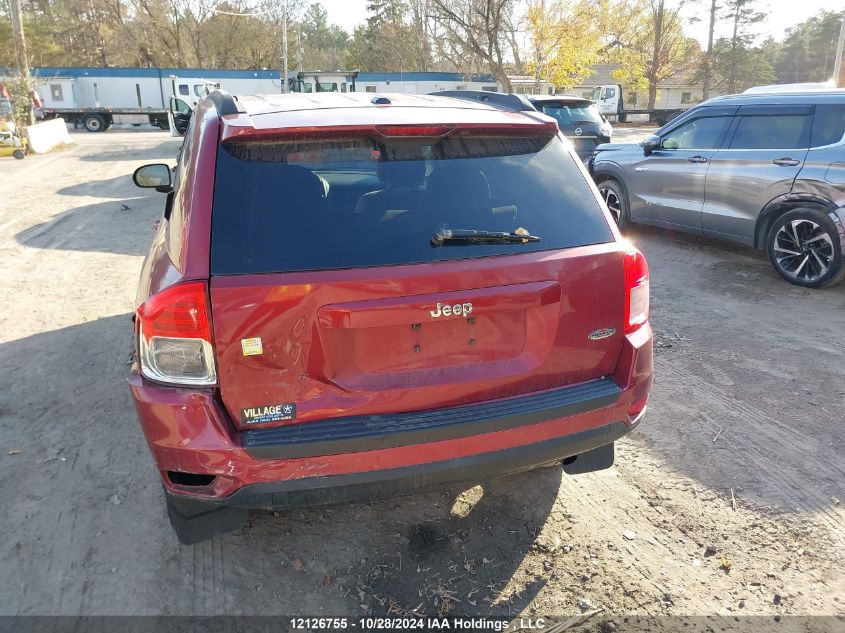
(156, 176)
(651, 143)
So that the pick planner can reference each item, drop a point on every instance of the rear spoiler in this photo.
(516, 103)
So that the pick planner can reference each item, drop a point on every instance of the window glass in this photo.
(369, 88)
(781, 131)
(199, 89)
(829, 124)
(184, 89)
(570, 114)
(56, 92)
(292, 206)
(703, 133)
(326, 86)
(177, 105)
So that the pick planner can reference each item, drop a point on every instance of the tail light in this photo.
(174, 336)
(636, 290)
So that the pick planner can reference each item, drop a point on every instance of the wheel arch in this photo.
(783, 204)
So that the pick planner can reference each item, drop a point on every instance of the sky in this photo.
(782, 15)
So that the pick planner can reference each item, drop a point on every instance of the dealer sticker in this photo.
(268, 413)
(252, 346)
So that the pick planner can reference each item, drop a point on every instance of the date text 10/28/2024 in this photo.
(415, 624)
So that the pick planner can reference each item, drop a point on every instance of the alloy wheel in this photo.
(803, 250)
(614, 204)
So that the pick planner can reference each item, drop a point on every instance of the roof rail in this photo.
(225, 102)
(497, 99)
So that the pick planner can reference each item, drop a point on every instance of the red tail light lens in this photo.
(174, 332)
(636, 290)
(414, 130)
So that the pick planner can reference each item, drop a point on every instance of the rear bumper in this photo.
(188, 431)
(366, 433)
(396, 482)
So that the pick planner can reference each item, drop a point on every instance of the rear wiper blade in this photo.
(448, 237)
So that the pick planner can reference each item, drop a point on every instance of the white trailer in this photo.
(424, 82)
(98, 97)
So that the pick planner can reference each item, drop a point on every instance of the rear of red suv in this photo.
(354, 297)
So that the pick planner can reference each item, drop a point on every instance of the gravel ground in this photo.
(723, 502)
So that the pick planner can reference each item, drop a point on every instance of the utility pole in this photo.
(20, 48)
(708, 58)
(19, 39)
(285, 52)
(839, 64)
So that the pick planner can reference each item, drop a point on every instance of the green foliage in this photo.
(735, 69)
(808, 52)
(652, 48)
(20, 90)
(566, 37)
(390, 40)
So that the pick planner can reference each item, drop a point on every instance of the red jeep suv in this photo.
(355, 296)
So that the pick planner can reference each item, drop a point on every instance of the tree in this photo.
(654, 49)
(808, 51)
(744, 16)
(713, 10)
(475, 32)
(324, 45)
(727, 58)
(566, 40)
(392, 38)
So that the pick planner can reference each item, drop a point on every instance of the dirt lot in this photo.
(724, 501)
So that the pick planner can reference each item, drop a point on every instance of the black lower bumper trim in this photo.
(395, 482)
(365, 433)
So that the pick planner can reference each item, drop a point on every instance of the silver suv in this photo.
(767, 170)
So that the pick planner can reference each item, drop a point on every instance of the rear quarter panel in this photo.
(824, 174)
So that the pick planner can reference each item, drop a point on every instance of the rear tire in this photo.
(19, 154)
(616, 199)
(94, 123)
(805, 248)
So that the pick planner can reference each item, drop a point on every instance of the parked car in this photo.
(578, 119)
(766, 170)
(357, 296)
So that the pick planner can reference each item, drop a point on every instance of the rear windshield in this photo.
(570, 114)
(295, 206)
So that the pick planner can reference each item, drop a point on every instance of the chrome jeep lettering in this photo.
(458, 309)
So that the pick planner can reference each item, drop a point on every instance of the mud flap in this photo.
(596, 459)
(197, 521)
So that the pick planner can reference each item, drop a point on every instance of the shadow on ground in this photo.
(109, 188)
(166, 151)
(748, 386)
(86, 500)
(120, 226)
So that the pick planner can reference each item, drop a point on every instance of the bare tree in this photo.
(478, 28)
